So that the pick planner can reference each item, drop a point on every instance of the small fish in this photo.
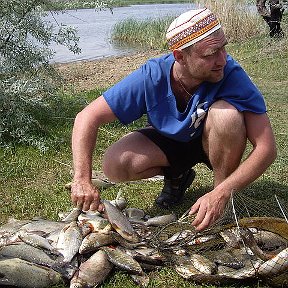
(92, 272)
(186, 270)
(12, 226)
(135, 213)
(231, 237)
(95, 224)
(95, 240)
(203, 264)
(141, 280)
(27, 252)
(123, 242)
(248, 271)
(45, 226)
(119, 222)
(72, 215)
(250, 241)
(122, 260)
(270, 241)
(20, 273)
(273, 224)
(37, 256)
(179, 236)
(226, 258)
(9, 239)
(161, 220)
(36, 241)
(70, 239)
(201, 239)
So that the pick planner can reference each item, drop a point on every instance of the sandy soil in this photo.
(87, 75)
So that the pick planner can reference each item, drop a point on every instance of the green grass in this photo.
(32, 183)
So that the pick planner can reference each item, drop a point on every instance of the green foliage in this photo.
(148, 33)
(81, 4)
(28, 83)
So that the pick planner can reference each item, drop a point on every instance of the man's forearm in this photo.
(83, 144)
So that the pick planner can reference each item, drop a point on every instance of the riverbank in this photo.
(83, 4)
(88, 75)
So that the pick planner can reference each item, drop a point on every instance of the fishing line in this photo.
(282, 210)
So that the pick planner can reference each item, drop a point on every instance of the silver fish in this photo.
(95, 223)
(135, 213)
(141, 280)
(45, 226)
(35, 240)
(92, 272)
(9, 239)
(231, 237)
(12, 226)
(270, 241)
(203, 264)
(95, 240)
(27, 252)
(250, 241)
(122, 260)
(186, 270)
(72, 215)
(161, 220)
(69, 241)
(20, 273)
(248, 271)
(123, 242)
(119, 222)
(201, 239)
(179, 236)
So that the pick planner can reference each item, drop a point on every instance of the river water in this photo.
(94, 28)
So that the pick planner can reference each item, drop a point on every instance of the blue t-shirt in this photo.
(148, 91)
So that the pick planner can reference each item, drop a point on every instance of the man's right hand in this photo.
(85, 196)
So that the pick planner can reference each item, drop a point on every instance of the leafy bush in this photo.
(28, 83)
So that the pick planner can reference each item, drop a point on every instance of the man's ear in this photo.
(179, 56)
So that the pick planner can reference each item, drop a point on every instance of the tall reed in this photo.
(149, 33)
(239, 20)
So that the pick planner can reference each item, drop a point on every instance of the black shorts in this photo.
(181, 155)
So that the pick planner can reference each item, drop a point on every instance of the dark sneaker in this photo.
(174, 189)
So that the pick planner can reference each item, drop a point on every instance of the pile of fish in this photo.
(83, 248)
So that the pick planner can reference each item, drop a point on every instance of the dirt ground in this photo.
(87, 75)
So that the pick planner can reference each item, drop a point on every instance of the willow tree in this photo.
(27, 81)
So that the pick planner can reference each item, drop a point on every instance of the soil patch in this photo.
(102, 73)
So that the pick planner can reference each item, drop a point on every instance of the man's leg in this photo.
(224, 139)
(276, 16)
(133, 157)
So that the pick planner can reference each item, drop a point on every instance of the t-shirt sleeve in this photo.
(127, 97)
(238, 90)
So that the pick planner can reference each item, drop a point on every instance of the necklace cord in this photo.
(182, 85)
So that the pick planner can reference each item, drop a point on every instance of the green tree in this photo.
(28, 82)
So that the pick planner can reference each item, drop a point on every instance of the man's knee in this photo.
(113, 164)
(225, 120)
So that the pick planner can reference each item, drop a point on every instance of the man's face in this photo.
(205, 60)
